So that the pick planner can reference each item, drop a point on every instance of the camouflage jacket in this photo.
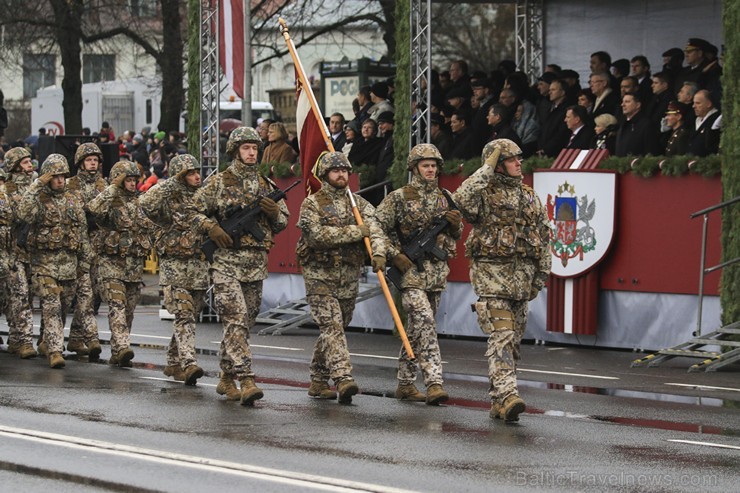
(331, 249)
(509, 242)
(15, 188)
(57, 239)
(181, 261)
(126, 234)
(412, 209)
(6, 233)
(89, 187)
(238, 185)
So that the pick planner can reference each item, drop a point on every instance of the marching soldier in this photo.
(19, 166)
(331, 253)
(183, 270)
(83, 331)
(6, 243)
(125, 244)
(403, 213)
(58, 245)
(510, 262)
(238, 270)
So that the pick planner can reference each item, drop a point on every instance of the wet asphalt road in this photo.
(592, 423)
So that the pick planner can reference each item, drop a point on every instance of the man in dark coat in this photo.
(636, 136)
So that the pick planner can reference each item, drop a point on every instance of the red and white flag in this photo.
(310, 138)
(231, 43)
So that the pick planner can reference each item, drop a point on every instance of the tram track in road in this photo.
(281, 477)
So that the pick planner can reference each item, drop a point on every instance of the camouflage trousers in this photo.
(505, 321)
(185, 304)
(421, 329)
(84, 326)
(122, 298)
(56, 298)
(238, 304)
(18, 314)
(330, 353)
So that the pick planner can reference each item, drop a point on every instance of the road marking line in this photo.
(709, 387)
(374, 356)
(175, 381)
(138, 335)
(706, 444)
(218, 343)
(568, 374)
(297, 479)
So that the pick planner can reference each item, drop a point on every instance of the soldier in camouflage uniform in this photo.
(331, 252)
(6, 243)
(58, 245)
(88, 183)
(237, 271)
(402, 213)
(125, 243)
(183, 270)
(19, 166)
(510, 262)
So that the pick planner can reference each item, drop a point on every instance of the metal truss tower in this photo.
(421, 70)
(210, 77)
(529, 20)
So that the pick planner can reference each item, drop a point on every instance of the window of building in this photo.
(142, 8)
(38, 71)
(97, 68)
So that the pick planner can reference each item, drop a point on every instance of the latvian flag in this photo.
(231, 43)
(310, 138)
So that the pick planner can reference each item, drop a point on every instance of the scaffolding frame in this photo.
(529, 19)
(421, 70)
(210, 76)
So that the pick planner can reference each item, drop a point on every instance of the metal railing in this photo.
(703, 271)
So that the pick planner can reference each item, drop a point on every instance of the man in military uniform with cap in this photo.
(331, 252)
(19, 167)
(509, 256)
(183, 270)
(678, 139)
(125, 243)
(402, 214)
(58, 246)
(88, 183)
(238, 270)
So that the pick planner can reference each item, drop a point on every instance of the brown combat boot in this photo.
(495, 410)
(78, 346)
(26, 351)
(512, 408)
(227, 387)
(191, 374)
(250, 392)
(122, 358)
(346, 389)
(94, 349)
(409, 392)
(321, 390)
(56, 360)
(436, 394)
(43, 348)
(13, 347)
(175, 372)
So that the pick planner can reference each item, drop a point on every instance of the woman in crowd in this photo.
(279, 150)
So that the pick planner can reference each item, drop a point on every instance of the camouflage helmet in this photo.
(87, 149)
(14, 157)
(423, 151)
(498, 150)
(242, 135)
(55, 164)
(183, 162)
(332, 160)
(124, 168)
(3, 175)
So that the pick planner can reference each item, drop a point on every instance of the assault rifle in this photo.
(21, 234)
(421, 244)
(242, 219)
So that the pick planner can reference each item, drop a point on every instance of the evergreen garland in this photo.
(402, 127)
(730, 153)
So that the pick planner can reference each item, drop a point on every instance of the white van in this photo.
(233, 109)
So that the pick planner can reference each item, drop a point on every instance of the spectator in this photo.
(458, 99)
(108, 130)
(86, 131)
(606, 99)
(586, 99)
(508, 98)
(507, 67)
(499, 123)
(662, 95)
(379, 97)
(336, 129)
(704, 139)
(571, 78)
(606, 127)
(459, 78)
(702, 67)
(391, 82)
(363, 98)
(627, 85)
(351, 134)
(3, 117)
(600, 63)
(263, 127)
(686, 96)
(579, 124)
(553, 68)
(678, 141)
(440, 136)
(385, 158)
(543, 100)
(527, 128)
(554, 133)
(444, 80)
(483, 91)
(463, 146)
(673, 64)
(279, 151)
(138, 151)
(366, 149)
(635, 137)
(620, 69)
(640, 68)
